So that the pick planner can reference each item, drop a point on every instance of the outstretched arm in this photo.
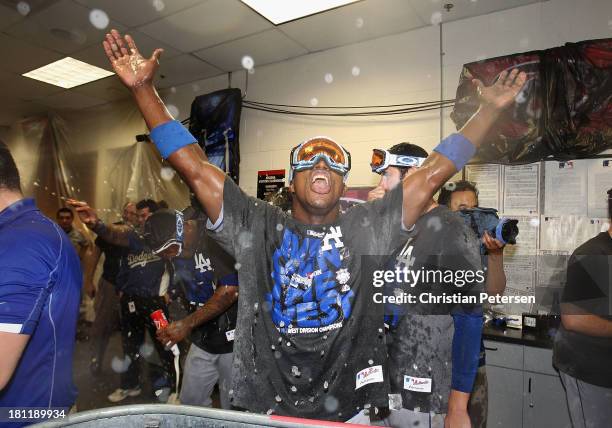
(450, 155)
(117, 234)
(136, 73)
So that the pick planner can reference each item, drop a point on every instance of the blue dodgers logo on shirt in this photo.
(311, 292)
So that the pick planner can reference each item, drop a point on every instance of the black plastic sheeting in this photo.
(215, 122)
(564, 111)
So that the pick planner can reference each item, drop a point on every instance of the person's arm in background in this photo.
(589, 324)
(454, 151)
(223, 298)
(174, 142)
(465, 356)
(117, 234)
(90, 263)
(12, 345)
(496, 277)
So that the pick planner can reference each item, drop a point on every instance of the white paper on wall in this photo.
(599, 182)
(566, 233)
(521, 189)
(487, 179)
(565, 188)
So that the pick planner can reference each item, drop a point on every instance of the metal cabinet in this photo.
(505, 397)
(544, 403)
(524, 388)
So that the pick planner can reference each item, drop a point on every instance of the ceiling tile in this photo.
(18, 110)
(63, 27)
(133, 13)
(95, 55)
(266, 47)
(207, 24)
(434, 10)
(183, 69)
(24, 56)
(109, 89)
(70, 100)
(353, 23)
(9, 16)
(25, 88)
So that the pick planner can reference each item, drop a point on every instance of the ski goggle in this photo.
(382, 159)
(310, 152)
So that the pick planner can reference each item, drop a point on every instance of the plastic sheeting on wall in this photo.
(564, 111)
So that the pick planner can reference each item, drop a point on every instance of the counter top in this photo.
(513, 335)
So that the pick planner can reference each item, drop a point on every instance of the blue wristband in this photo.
(171, 136)
(457, 148)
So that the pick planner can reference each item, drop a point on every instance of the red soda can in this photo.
(159, 318)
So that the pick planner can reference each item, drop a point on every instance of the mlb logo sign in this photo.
(369, 375)
(566, 165)
(417, 384)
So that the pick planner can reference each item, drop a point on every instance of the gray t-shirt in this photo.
(309, 339)
(421, 335)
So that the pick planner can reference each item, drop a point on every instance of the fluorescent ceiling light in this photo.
(68, 73)
(281, 11)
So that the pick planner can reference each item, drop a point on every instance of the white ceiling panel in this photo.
(95, 55)
(70, 100)
(354, 23)
(22, 56)
(183, 69)
(434, 10)
(64, 27)
(207, 24)
(133, 13)
(265, 48)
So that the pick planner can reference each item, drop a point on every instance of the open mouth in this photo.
(320, 181)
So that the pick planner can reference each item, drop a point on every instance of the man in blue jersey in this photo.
(140, 295)
(205, 275)
(432, 380)
(40, 291)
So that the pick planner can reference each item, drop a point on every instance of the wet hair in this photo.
(147, 203)
(407, 149)
(449, 188)
(64, 210)
(9, 174)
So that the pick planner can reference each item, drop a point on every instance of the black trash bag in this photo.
(215, 122)
(564, 111)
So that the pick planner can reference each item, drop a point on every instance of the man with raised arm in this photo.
(309, 340)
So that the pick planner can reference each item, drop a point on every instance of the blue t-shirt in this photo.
(40, 291)
(141, 271)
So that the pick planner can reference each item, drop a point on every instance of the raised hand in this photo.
(503, 92)
(132, 68)
(86, 213)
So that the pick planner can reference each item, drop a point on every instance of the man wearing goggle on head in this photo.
(303, 270)
(448, 360)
